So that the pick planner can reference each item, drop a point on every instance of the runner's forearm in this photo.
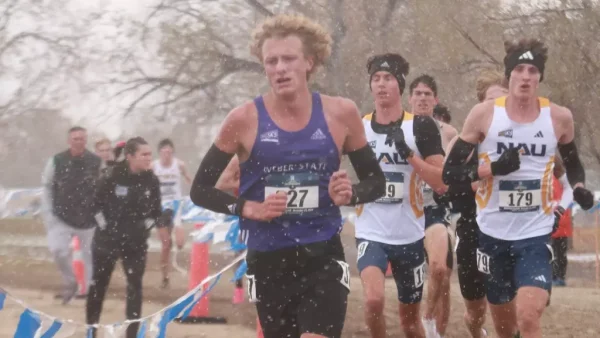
(204, 192)
(370, 175)
(431, 174)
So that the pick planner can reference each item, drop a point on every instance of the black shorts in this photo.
(300, 290)
(439, 214)
(472, 282)
(166, 219)
(436, 214)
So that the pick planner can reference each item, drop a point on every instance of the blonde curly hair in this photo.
(487, 79)
(315, 38)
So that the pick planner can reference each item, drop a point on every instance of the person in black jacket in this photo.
(128, 205)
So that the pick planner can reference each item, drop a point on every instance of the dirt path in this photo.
(29, 274)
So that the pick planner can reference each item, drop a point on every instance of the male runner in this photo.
(289, 143)
(230, 183)
(489, 86)
(442, 114)
(423, 98)
(518, 137)
(169, 170)
(391, 229)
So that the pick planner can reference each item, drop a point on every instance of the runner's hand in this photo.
(340, 188)
(507, 163)
(273, 207)
(583, 197)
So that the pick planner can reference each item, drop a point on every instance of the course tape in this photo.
(37, 324)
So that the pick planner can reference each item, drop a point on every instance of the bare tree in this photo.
(39, 53)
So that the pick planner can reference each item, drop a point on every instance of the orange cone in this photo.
(259, 333)
(198, 271)
(78, 266)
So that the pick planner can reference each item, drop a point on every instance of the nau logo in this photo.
(373, 144)
(538, 150)
(506, 133)
(388, 158)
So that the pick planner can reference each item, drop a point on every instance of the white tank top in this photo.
(518, 205)
(397, 218)
(170, 180)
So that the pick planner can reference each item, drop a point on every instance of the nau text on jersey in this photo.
(538, 150)
(393, 158)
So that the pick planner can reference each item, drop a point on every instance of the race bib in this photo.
(520, 196)
(394, 188)
(167, 189)
(483, 262)
(302, 190)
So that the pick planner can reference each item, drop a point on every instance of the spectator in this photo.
(104, 150)
(69, 181)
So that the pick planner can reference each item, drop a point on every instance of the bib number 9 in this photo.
(394, 188)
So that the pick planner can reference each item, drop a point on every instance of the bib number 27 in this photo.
(296, 198)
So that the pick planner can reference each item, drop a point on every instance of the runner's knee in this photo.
(528, 318)
(438, 270)
(375, 303)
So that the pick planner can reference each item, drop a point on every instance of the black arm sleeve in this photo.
(427, 136)
(372, 180)
(204, 193)
(573, 165)
(455, 171)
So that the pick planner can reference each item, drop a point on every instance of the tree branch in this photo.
(259, 7)
(472, 41)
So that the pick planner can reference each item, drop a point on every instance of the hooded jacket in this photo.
(129, 203)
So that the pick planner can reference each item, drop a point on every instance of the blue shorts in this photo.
(407, 263)
(436, 214)
(169, 212)
(510, 265)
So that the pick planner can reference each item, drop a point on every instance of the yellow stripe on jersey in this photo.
(544, 102)
(547, 186)
(416, 194)
(359, 210)
(407, 116)
(484, 191)
(500, 102)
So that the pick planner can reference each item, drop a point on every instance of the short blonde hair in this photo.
(102, 141)
(315, 39)
(487, 79)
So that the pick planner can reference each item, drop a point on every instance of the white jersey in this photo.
(518, 205)
(170, 180)
(397, 218)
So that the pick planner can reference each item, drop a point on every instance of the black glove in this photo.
(507, 163)
(583, 197)
(395, 136)
(558, 213)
